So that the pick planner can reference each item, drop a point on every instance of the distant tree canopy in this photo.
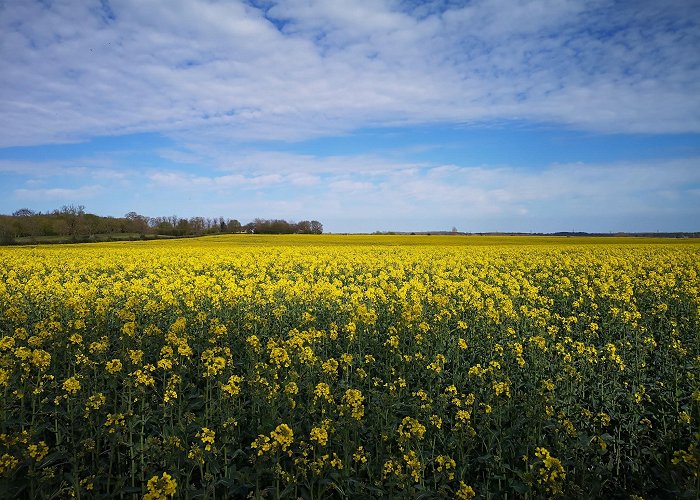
(73, 223)
(278, 226)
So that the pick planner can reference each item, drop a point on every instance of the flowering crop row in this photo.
(331, 367)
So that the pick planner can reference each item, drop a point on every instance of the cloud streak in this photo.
(59, 194)
(303, 68)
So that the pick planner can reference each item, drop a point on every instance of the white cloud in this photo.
(496, 19)
(224, 70)
(304, 180)
(201, 183)
(59, 194)
(103, 168)
(294, 164)
(350, 187)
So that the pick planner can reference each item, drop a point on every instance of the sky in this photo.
(367, 115)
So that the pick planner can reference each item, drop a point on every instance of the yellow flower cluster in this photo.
(551, 473)
(323, 391)
(94, 402)
(161, 487)
(115, 422)
(142, 378)
(207, 437)
(320, 435)
(8, 463)
(446, 464)
(38, 451)
(465, 492)
(113, 366)
(282, 436)
(232, 387)
(360, 455)
(279, 439)
(411, 428)
(71, 385)
(213, 361)
(353, 400)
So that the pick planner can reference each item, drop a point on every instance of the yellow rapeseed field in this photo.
(351, 367)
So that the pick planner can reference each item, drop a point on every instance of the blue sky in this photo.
(498, 115)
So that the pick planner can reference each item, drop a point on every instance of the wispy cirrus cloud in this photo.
(59, 194)
(94, 168)
(183, 181)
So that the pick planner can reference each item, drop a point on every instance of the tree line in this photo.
(72, 223)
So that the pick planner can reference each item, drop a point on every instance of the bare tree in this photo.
(316, 227)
